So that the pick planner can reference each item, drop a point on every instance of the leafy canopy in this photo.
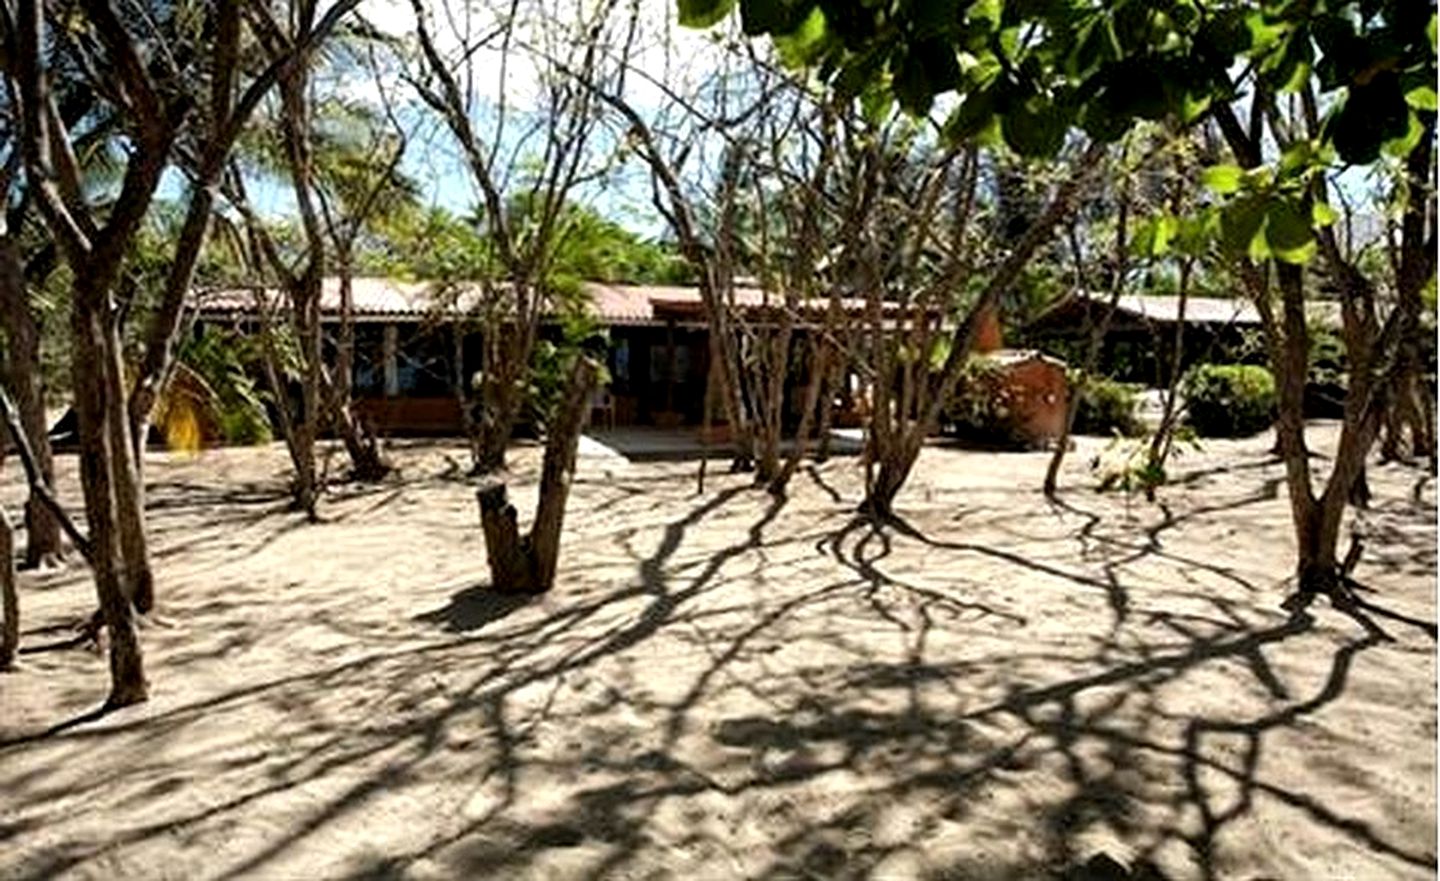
(1029, 71)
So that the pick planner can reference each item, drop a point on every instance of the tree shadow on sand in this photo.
(1084, 735)
(473, 607)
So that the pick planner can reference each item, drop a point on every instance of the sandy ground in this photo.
(725, 687)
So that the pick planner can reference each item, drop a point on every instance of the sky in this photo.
(664, 52)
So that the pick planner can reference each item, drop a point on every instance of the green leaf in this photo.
(926, 70)
(1240, 223)
(1421, 98)
(1430, 31)
(1036, 128)
(973, 115)
(1288, 232)
(1223, 179)
(1263, 35)
(1321, 214)
(801, 46)
(1400, 147)
(987, 11)
(773, 17)
(1196, 233)
(1165, 228)
(703, 13)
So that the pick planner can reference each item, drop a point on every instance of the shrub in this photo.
(1107, 407)
(980, 408)
(1230, 400)
(221, 392)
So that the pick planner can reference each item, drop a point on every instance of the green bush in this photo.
(221, 363)
(1107, 408)
(979, 410)
(1230, 400)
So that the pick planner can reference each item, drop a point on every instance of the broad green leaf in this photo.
(801, 46)
(703, 13)
(1196, 233)
(1035, 129)
(1165, 228)
(1400, 147)
(1288, 232)
(1422, 98)
(769, 17)
(1430, 31)
(973, 115)
(1223, 179)
(1240, 223)
(1321, 214)
(987, 11)
(1263, 35)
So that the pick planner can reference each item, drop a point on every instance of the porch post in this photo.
(670, 365)
(391, 348)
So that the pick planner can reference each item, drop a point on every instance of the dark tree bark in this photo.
(1376, 350)
(526, 563)
(819, 379)
(21, 373)
(97, 459)
(40, 487)
(9, 599)
(834, 376)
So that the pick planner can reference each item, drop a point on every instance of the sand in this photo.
(721, 686)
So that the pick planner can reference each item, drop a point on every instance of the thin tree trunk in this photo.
(40, 489)
(22, 375)
(9, 599)
(463, 398)
(136, 574)
(898, 454)
(97, 463)
(307, 310)
(366, 462)
(1092, 350)
(819, 377)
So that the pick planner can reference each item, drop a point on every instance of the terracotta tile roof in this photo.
(381, 298)
(371, 297)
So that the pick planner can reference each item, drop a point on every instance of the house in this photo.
(1139, 343)
(408, 336)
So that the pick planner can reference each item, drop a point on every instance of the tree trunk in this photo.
(366, 462)
(899, 443)
(22, 375)
(507, 353)
(833, 377)
(97, 461)
(40, 490)
(819, 378)
(500, 407)
(526, 564)
(895, 463)
(9, 600)
(306, 302)
(136, 575)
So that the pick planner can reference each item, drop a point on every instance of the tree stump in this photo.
(526, 563)
(507, 551)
